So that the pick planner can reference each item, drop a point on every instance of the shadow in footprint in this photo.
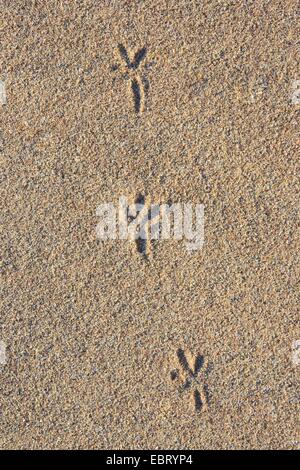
(135, 86)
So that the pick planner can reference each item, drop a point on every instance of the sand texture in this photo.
(184, 100)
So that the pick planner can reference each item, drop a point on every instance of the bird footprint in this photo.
(188, 375)
(139, 84)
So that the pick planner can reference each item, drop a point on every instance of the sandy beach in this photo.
(162, 343)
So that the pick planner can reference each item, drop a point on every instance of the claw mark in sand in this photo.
(139, 85)
(189, 376)
(136, 95)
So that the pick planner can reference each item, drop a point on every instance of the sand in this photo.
(184, 101)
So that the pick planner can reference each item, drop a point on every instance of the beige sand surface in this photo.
(96, 336)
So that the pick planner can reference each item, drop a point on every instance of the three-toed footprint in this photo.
(188, 376)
